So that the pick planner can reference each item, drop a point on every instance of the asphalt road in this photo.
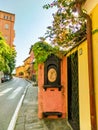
(10, 95)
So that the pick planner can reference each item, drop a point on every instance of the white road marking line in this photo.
(15, 93)
(5, 91)
(15, 115)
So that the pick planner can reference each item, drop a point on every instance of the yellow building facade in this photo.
(24, 70)
(83, 72)
(94, 16)
(20, 71)
(27, 67)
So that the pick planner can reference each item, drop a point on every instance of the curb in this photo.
(15, 115)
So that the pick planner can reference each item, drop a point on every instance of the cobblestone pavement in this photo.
(28, 115)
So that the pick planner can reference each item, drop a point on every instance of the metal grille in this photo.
(73, 96)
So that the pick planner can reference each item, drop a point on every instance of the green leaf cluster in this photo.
(7, 56)
(95, 31)
(42, 50)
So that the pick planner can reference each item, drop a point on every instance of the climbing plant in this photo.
(42, 50)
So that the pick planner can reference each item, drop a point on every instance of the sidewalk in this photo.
(28, 115)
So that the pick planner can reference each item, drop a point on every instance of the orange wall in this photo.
(52, 99)
(32, 71)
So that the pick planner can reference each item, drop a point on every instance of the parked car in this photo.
(5, 78)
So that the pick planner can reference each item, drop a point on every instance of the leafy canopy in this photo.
(7, 56)
(69, 26)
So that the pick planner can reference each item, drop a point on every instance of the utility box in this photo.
(51, 91)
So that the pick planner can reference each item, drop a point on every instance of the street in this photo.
(10, 95)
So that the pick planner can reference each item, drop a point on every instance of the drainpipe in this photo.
(91, 74)
(90, 68)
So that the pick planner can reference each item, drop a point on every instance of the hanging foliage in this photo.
(69, 26)
(42, 50)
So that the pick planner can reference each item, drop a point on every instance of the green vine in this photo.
(41, 51)
(95, 31)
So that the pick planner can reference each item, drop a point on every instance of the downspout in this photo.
(91, 74)
(90, 68)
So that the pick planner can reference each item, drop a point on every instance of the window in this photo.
(10, 18)
(6, 37)
(5, 17)
(6, 26)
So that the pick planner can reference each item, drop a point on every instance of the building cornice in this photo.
(89, 5)
(7, 12)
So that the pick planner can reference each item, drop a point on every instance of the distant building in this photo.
(32, 70)
(20, 71)
(27, 67)
(7, 21)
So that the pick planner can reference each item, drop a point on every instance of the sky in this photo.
(31, 21)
